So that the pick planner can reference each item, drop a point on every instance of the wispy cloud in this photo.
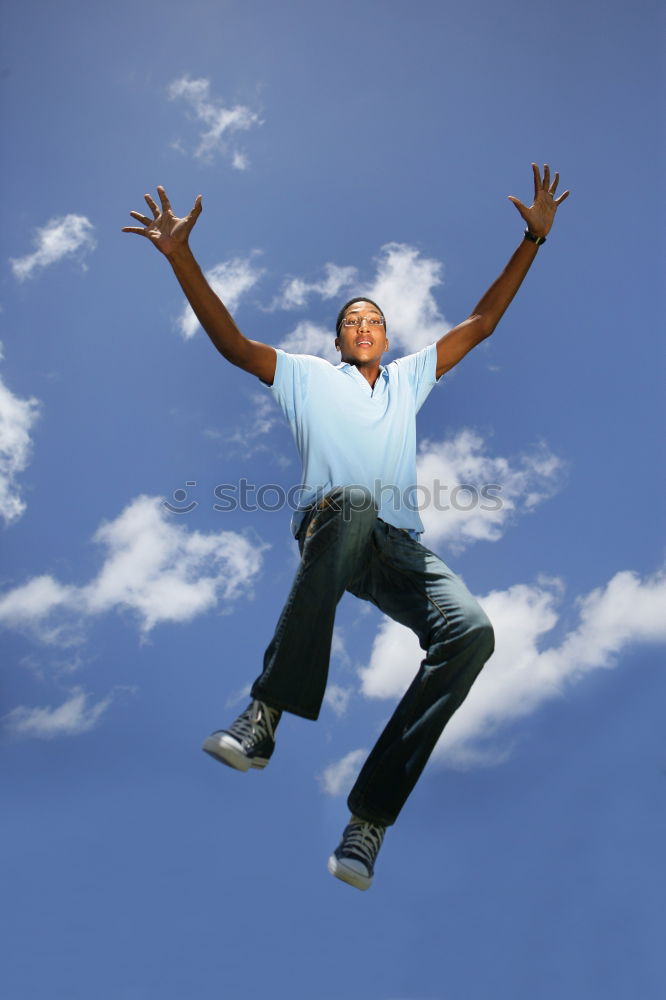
(337, 698)
(339, 647)
(309, 338)
(250, 437)
(523, 673)
(154, 568)
(338, 778)
(230, 280)
(219, 121)
(73, 717)
(239, 161)
(469, 495)
(17, 417)
(236, 697)
(65, 236)
(296, 291)
(32, 604)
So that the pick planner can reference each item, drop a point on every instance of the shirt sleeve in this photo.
(290, 385)
(420, 370)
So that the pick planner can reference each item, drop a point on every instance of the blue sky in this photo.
(366, 147)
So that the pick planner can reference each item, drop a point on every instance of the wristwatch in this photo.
(534, 239)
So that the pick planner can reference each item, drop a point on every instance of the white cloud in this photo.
(219, 121)
(338, 778)
(484, 511)
(308, 338)
(522, 674)
(230, 280)
(239, 161)
(17, 417)
(296, 291)
(35, 600)
(154, 568)
(65, 236)
(74, 716)
(337, 698)
(249, 436)
(338, 646)
(241, 695)
(403, 289)
(165, 573)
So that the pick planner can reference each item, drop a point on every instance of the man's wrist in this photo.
(181, 254)
(533, 238)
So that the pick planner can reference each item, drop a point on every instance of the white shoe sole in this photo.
(348, 875)
(223, 749)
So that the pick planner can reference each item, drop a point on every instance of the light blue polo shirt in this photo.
(349, 433)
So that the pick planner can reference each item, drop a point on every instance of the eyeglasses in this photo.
(351, 321)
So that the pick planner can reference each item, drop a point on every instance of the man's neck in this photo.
(369, 371)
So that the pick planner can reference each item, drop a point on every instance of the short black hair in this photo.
(359, 298)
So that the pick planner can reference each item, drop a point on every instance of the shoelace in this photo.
(256, 722)
(363, 840)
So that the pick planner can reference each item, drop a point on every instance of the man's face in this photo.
(365, 343)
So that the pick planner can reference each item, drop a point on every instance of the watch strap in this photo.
(534, 239)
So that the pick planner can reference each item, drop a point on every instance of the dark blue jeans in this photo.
(345, 546)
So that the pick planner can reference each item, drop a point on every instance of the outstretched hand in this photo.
(539, 216)
(164, 230)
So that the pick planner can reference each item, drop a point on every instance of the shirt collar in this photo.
(383, 371)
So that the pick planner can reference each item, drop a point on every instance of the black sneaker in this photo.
(353, 860)
(249, 741)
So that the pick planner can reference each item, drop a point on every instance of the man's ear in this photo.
(337, 344)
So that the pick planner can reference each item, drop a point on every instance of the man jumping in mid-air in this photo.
(357, 528)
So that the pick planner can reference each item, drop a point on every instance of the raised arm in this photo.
(170, 236)
(455, 344)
